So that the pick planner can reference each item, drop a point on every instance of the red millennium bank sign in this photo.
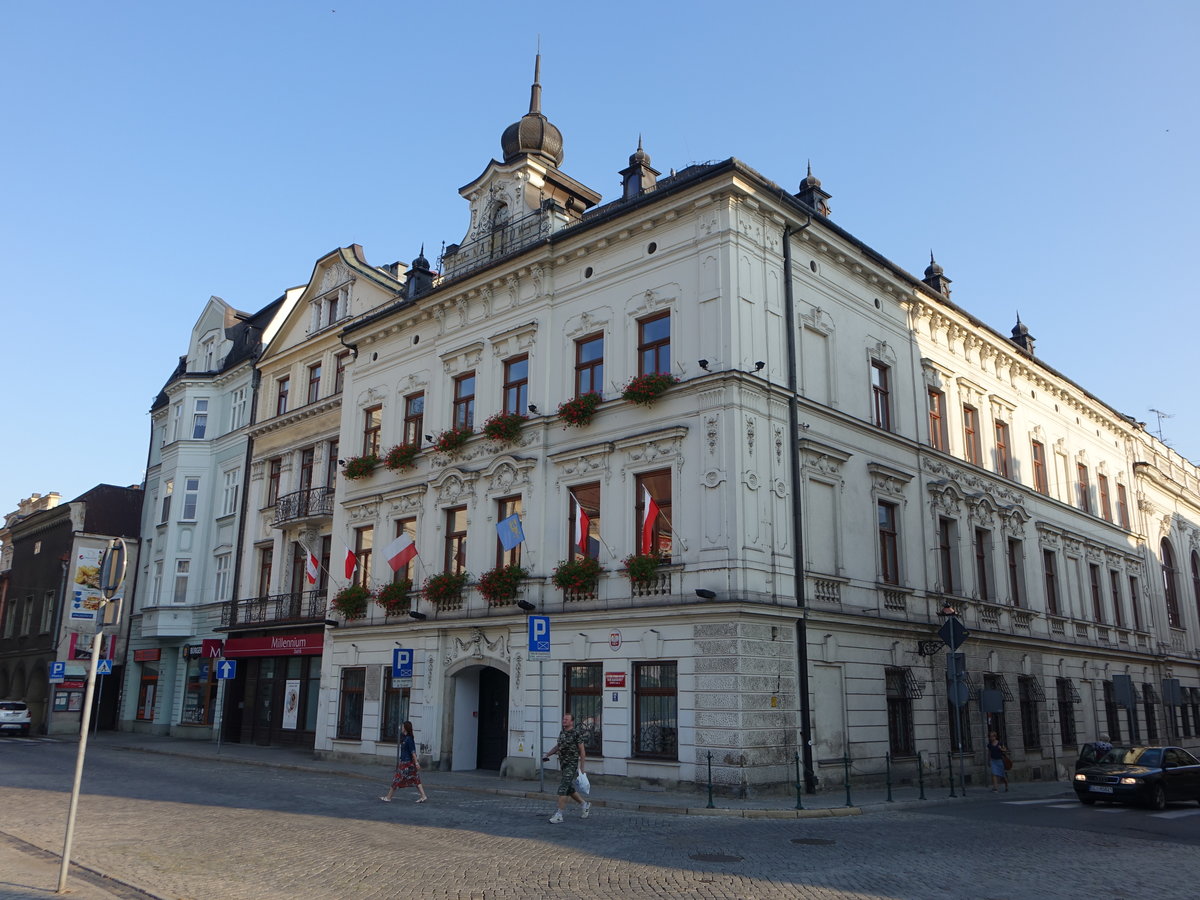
(277, 645)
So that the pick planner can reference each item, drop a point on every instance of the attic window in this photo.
(330, 308)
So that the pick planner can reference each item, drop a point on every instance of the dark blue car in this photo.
(1150, 776)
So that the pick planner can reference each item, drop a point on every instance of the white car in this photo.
(14, 716)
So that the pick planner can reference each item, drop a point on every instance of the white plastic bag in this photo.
(582, 784)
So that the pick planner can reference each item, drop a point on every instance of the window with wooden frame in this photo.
(454, 559)
(505, 507)
(1150, 709)
(889, 556)
(266, 563)
(1114, 588)
(314, 382)
(1067, 698)
(901, 691)
(331, 463)
(656, 710)
(1050, 576)
(1083, 488)
(364, 548)
(1103, 497)
(585, 498)
(414, 418)
(1040, 483)
(282, 387)
(1016, 572)
(938, 439)
(983, 564)
(654, 344)
(463, 412)
(1003, 468)
(408, 571)
(396, 703)
(1195, 560)
(274, 473)
(1170, 576)
(1029, 692)
(658, 485)
(1135, 601)
(971, 447)
(583, 692)
(339, 370)
(881, 395)
(947, 548)
(308, 458)
(351, 690)
(372, 429)
(589, 365)
(1122, 507)
(516, 385)
(1094, 588)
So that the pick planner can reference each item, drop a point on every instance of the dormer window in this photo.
(208, 354)
(330, 308)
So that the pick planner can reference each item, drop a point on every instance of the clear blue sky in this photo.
(158, 153)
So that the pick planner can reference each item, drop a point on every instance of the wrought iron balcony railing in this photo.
(274, 609)
(307, 504)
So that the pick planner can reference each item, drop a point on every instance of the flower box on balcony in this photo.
(445, 588)
(641, 568)
(395, 598)
(645, 389)
(351, 601)
(577, 575)
(402, 457)
(452, 440)
(578, 411)
(360, 466)
(502, 584)
(504, 427)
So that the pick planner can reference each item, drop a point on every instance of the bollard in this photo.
(846, 766)
(710, 802)
(920, 775)
(799, 803)
(888, 760)
(950, 769)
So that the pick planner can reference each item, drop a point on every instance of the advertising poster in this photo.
(291, 703)
(75, 701)
(85, 587)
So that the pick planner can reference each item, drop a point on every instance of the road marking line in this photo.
(1176, 814)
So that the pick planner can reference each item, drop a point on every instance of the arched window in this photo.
(498, 230)
(1196, 580)
(1170, 585)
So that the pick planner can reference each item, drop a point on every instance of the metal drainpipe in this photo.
(255, 380)
(810, 781)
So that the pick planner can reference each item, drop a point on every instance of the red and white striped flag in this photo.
(649, 516)
(399, 553)
(351, 563)
(313, 568)
(582, 526)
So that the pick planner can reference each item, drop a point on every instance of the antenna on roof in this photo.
(1161, 415)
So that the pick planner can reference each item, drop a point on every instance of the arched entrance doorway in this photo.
(480, 718)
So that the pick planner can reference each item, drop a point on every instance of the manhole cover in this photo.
(714, 857)
(813, 842)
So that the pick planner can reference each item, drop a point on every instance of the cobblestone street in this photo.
(179, 828)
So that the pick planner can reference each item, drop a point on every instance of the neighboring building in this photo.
(836, 417)
(273, 625)
(53, 594)
(195, 473)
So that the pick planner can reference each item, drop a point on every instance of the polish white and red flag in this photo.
(351, 563)
(313, 568)
(399, 553)
(582, 526)
(649, 516)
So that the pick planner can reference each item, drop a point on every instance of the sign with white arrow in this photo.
(226, 669)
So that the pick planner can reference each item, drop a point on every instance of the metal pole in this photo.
(99, 698)
(541, 727)
(846, 767)
(710, 800)
(920, 776)
(888, 761)
(83, 736)
(952, 692)
(220, 706)
(799, 802)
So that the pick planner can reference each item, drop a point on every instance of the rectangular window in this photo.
(331, 464)
(455, 552)
(274, 471)
(308, 458)
(168, 490)
(156, 589)
(584, 700)
(372, 427)
(1002, 462)
(237, 409)
(183, 568)
(998, 721)
(266, 563)
(200, 693)
(881, 395)
(407, 572)
(147, 688)
(1016, 573)
(1103, 497)
(364, 546)
(314, 383)
(1149, 704)
(657, 526)
(971, 448)
(1083, 488)
(282, 386)
(1122, 507)
(937, 420)
(654, 344)
(516, 385)
(1028, 694)
(229, 492)
(983, 564)
(1067, 698)
(191, 499)
(222, 577)
(414, 419)
(901, 736)
(1050, 570)
(1135, 602)
(589, 365)
(1114, 587)
(350, 703)
(339, 370)
(177, 417)
(396, 703)
(889, 558)
(947, 543)
(656, 710)
(505, 507)
(585, 499)
(199, 418)
(1112, 714)
(463, 413)
(1094, 586)
(1040, 483)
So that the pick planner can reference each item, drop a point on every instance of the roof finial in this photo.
(535, 92)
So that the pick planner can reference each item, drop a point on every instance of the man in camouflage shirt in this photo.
(571, 756)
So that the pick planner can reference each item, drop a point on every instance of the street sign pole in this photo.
(219, 714)
(541, 728)
(83, 736)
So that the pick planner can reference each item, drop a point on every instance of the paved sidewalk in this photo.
(27, 871)
(606, 792)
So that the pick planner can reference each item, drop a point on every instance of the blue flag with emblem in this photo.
(509, 531)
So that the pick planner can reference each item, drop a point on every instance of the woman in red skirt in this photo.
(408, 772)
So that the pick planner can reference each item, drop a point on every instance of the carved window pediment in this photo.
(462, 359)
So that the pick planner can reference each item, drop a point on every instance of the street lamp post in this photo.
(952, 635)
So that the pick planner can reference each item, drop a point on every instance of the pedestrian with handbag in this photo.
(998, 761)
(571, 756)
(408, 769)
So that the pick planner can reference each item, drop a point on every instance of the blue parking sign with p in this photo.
(539, 634)
(402, 663)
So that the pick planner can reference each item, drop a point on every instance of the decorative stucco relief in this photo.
(479, 646)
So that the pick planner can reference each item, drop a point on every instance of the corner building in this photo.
(845, 453)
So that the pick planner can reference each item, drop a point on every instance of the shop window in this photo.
(147, 691)
(200, 693)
